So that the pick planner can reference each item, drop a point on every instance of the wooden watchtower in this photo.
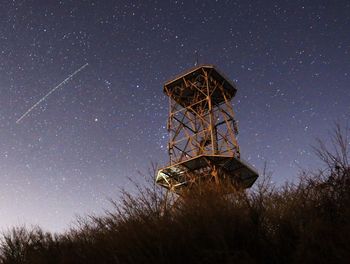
(202, 145)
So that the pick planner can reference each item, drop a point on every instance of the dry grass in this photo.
(306, 222)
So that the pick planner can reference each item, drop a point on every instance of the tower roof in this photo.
(186, 86)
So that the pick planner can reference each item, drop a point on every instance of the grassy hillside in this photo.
(306, 222)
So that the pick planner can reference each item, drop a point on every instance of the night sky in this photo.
(290, 60)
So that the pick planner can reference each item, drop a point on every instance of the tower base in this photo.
(205, 168)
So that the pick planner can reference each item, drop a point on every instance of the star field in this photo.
(290, 60)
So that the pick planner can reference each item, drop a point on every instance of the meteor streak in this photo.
(54, 89)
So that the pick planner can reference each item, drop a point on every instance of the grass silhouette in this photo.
(303, 222)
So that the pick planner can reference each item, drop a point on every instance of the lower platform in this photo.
(179, 176)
